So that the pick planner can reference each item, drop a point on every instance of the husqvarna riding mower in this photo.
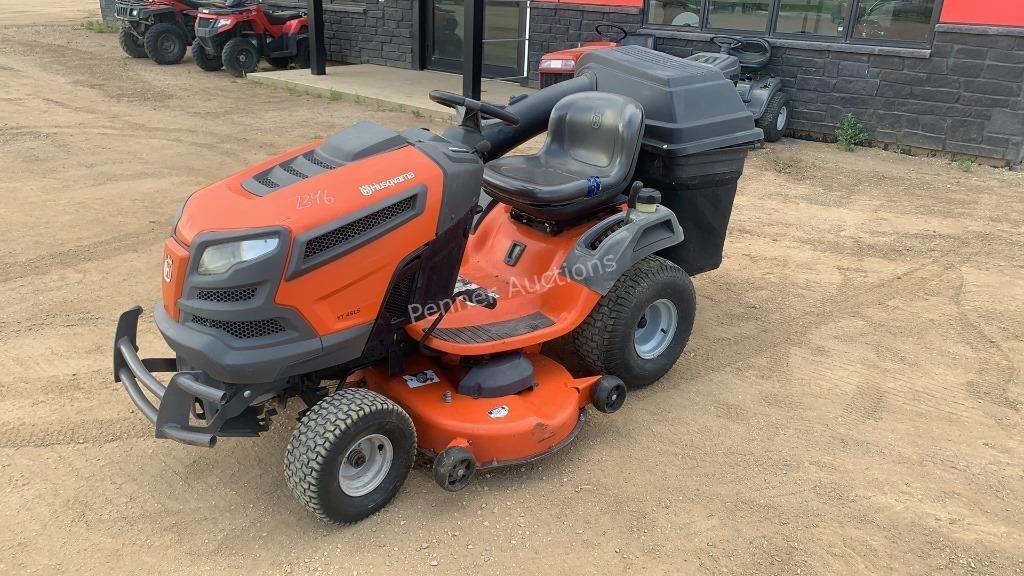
(160, 29)
(239, 34)
(369, 276)
(740, 59)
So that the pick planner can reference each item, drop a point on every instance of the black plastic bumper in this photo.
(179, 398)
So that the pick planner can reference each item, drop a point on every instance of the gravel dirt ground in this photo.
(850, 402)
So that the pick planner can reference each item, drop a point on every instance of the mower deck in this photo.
(498, 431)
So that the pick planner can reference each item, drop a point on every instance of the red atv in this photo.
(241, 33)
(159, 29)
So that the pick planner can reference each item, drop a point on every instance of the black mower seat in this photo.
(280, 16)
(585, 164)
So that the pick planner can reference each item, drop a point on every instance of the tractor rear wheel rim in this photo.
(656, 329)
(365, 465)
(780, 123)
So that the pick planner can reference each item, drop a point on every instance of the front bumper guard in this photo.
(179, 399)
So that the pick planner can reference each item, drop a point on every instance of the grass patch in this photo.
(334, 95)
(965, 164)
(99, 27)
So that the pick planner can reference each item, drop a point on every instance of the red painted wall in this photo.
(991, 12)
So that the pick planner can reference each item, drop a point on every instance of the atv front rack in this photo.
(188, 394)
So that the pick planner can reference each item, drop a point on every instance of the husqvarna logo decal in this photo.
(168, 269)
(595, 120)
(369, 189)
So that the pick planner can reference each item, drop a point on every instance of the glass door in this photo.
(504, 29)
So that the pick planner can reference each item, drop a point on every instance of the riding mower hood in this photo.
(403, 285)
(742, 60)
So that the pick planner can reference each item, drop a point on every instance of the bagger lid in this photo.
(689, 107)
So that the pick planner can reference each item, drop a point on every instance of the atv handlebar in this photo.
(483, 108)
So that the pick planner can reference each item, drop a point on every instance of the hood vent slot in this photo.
(297, 169)
(353, 230)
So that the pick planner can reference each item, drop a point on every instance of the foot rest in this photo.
(483, 333)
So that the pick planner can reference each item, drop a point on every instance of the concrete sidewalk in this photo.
(391, 88)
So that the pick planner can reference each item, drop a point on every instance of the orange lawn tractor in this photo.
(403, 284)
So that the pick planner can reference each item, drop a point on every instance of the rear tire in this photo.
(618, 337)
(130, 43)
(350, 455)
(280, 63)
(240, 57)
(166, 43)
(302, 56)
(203, 59)
(775, 119)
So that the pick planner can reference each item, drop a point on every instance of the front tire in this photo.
(639, 328)
(205, 60)
(775, 119)
(130, 43)
(166, 43)
(350, 455)
(240, 57)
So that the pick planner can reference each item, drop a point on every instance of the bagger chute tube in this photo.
(402, 284)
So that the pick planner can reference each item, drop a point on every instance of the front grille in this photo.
(242, 330)
(348, 232)
(231, 295)
(550, 79)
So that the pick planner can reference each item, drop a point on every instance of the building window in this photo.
(859, 21)
(814, 17)
(678, 13)
(900, 20)
(739, 15)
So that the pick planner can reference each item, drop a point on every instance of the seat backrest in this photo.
(599, 130)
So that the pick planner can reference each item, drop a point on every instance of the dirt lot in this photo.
(850, 402)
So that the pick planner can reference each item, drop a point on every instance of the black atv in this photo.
(160, 29)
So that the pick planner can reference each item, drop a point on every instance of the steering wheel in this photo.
(611, 32)
(727, 43)
(481, 108)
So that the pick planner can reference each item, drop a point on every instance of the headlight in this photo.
(134, 12)
(222, 22)
(220, 258)
(557, 64)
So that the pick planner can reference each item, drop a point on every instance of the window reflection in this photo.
(739, 14)
(894, 19)
(683, 13)
(818, 17)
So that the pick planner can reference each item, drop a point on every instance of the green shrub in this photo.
(99, 27)
(850, 133)
(965, 164)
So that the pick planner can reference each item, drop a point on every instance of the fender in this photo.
(297, 26)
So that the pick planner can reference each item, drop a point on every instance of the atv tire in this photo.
(775, 119)
(203, 59)
(618, 338)
(240, 57)
(350, 455)
(166, 43)
(301, 60)
(130, 43)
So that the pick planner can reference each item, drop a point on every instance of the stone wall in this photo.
(556, 26)
(964, 96)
